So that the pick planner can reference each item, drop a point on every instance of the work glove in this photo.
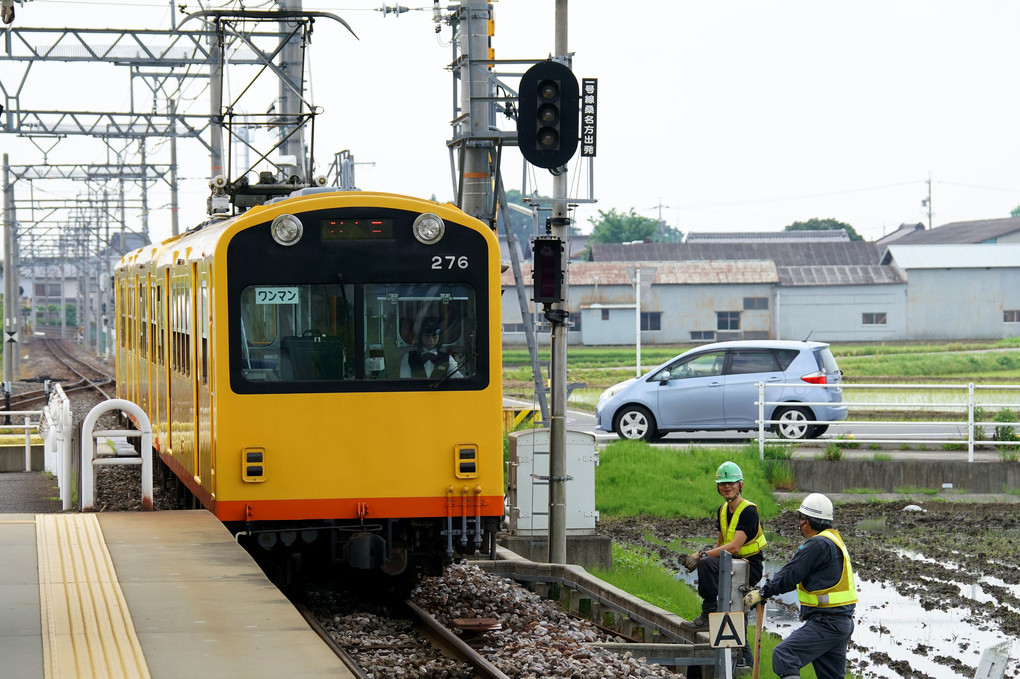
(691, 562)
(753, 598)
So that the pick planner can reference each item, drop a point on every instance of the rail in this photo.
(90, 460)
(952, 398)
(57, 428)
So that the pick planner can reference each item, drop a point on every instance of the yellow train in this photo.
(323, 373)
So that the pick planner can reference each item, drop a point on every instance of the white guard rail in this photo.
(27, 425)
(955, 397)
(89, 460)
(57, 428)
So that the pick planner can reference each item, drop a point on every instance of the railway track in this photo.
(58, 363)
(444, 642)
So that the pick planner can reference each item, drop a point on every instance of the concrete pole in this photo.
(174, 199)
(474, 88)
(558, 350)
(291, 89)
(215, 110)
(10, 279)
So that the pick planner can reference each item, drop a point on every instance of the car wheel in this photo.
(792, 423)
(635, 423)
(817, 430)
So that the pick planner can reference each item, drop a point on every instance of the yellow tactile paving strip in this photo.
(86, 625)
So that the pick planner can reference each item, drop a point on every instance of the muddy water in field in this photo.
(936, 587)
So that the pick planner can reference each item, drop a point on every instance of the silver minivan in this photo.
(715, 387)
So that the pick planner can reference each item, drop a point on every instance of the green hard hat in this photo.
(728, 472)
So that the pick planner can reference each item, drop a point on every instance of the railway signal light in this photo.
(547, 272)
(547, 126)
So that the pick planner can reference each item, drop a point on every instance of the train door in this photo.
(122, 357)
(200, 374)
(130, 298)
(141, 396)
(160, 364)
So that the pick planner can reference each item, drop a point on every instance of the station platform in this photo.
(146, 594)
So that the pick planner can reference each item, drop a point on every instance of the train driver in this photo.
(426, 360)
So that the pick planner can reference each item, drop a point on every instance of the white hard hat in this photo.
(816, 506)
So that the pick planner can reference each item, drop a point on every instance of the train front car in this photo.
(358, 412)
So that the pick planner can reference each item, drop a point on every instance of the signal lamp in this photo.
(547, 127)
(547, 273)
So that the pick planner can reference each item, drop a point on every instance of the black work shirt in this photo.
(817, 564)
(748, 523)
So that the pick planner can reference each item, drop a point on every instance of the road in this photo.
(890, 435)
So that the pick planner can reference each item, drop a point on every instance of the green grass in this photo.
(635, 479)
(639, 573)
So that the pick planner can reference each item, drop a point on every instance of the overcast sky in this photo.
(744, 115)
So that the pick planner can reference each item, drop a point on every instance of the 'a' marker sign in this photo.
(727, 629)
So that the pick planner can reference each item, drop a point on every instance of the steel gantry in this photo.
(203, 47)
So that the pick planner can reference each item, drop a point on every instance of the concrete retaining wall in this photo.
(822, 476)
(12, 459)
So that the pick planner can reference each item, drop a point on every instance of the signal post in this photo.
(547, 135)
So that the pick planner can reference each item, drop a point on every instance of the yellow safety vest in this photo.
(843, 592)
(752, 546)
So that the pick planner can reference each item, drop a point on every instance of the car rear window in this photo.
(752, 361)
(786, 357)
(826, 361)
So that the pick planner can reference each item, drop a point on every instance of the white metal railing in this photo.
(962, 396)
(27, 425)
(57, 429)
(89, 459)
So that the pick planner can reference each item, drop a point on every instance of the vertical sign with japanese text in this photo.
(589, 115)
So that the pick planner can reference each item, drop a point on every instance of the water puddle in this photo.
(899, 627)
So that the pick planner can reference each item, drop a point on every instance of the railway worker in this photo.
(426, 360)
(821, 573)
(740, 534)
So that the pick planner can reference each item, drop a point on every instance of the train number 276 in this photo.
(449, 262)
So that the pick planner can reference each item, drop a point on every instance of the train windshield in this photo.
(334, 332)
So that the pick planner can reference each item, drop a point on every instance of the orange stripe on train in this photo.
(385, 507)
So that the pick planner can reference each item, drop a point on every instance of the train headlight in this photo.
(287, 229)
(429, 228)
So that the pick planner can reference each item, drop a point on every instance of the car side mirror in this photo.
(664, 377)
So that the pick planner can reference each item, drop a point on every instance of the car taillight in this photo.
(814, 378)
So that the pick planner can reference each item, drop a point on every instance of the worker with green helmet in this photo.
(821, 573)
(740, 534)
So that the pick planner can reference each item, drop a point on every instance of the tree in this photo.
(824, 225)
(617, 227)
(1015, 212)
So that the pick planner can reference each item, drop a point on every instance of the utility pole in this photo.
(927, 201)
(10, 280)
(560, 228)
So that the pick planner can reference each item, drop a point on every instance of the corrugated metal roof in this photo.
(805, 236)
(975, 232)
(873, 274)
(783, 254)
(666, 273)
(953, 256)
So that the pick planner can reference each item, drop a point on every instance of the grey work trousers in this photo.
(821, 642)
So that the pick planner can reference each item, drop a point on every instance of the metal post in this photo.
(761, 420)
(10, 351)
(970, 422)
(558, 351)
(723, 663)
(637, 316)
(28, 444)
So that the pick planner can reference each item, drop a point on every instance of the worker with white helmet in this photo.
(740, 534)
(821, 573)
